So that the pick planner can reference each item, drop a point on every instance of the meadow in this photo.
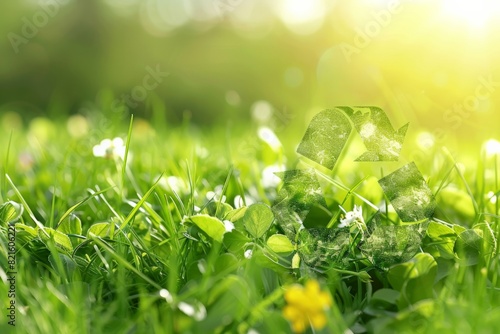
(249, 166)
(188, 230)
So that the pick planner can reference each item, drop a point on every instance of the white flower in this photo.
(216, 195)
(492, 197)
(248, 254)
(196, 310)
(228, 225)
(110, 148)
(354, 216)
(238, 201)
(164, 293)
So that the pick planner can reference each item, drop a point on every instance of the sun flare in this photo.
(475, 13)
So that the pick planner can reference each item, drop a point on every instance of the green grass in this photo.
(105, 246)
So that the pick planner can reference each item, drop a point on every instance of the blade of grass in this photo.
(132, 213)
(341, 186)
(5, 168)
(224, 188)
(26, 206)
(466, 185)
(125, 158)
(349, 193)
(99, 241)
(77, 205)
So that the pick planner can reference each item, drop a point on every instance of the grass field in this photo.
(187, 230)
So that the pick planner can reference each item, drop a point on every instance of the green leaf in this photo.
(438, 231)
(234, 241)
(236, 214)
(318, 216)
(264, 258)
(221, 209)
(25, 233)
(71, 225)
(225, 263)
(388, 296)
(441, 240)
(458, 229)
(211, 226)
(279, 243)
(414, 279)
(382, 302)
(409, 194)
(10, 212)
(469, 245)
(29, 229)
(326, 137)
(99, 230)
(257, 219)
(61, 240)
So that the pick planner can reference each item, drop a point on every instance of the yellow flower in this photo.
(306, 306)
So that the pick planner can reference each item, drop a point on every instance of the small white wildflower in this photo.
(216, 195)
(228, 225)
(269, 179)
(110, 148)
(248, 254)
(197, 311)
(238, 201)
(164, 293)
(202, 266)
(492, 197)
(356, 215)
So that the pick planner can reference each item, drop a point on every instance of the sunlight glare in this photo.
(302, 17)
(492, 147)
(476, 13)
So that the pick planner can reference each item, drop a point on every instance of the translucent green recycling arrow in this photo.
(300, 191)
(329, 130)
(409, 194)
(382, 142)
(326, 137)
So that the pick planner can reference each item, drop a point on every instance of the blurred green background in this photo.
(431, 63)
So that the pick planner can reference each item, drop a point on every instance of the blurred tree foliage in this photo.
(416, 67)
